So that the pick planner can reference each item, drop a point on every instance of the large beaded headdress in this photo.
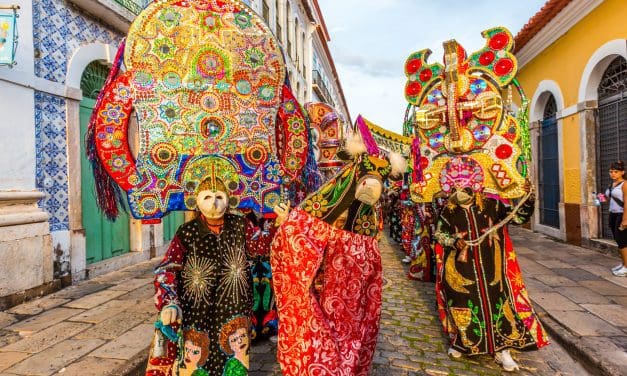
(467, 134)
(206, 79)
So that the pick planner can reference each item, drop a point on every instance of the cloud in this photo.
(371, 39)
(368, 64)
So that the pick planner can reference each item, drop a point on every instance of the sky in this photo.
(371, 39)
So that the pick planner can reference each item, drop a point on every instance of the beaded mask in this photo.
(465, 130)
(327, 129)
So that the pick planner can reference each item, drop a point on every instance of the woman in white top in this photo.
(616, 194)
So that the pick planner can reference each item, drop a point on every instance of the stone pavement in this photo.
(584, 304)
(104, 326)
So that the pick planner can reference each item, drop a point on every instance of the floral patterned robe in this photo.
(328, 327)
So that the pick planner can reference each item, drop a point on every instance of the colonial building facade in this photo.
(51, 232)
(573, 65)
(302, 32)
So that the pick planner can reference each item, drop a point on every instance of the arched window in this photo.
(548, 182)
(94, 78)
(612, 136)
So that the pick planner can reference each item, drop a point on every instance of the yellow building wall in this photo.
(564, 62)
(572, 157)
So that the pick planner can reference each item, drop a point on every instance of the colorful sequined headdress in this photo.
(466, 135)
(328, 131)
(206, 80)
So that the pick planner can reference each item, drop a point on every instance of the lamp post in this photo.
(8, 34)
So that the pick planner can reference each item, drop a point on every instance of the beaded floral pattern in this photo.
(206, 80)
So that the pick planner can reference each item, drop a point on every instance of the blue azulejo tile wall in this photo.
(58, 30)
(51, 158)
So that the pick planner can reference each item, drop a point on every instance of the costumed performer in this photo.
(204, 284)
(327, 270)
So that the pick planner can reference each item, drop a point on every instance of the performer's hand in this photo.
(171, 314)
(282, 210)
(460, 244)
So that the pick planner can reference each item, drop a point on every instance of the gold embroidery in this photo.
(454, 278)
(509, 315)
(498, 261)
(462, 317)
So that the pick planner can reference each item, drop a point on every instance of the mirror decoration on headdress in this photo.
(462, 118)
(206, 80)
(328, 131)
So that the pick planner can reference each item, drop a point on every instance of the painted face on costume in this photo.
(368, 190)
(239, 342)
(192, 354)
(212, 204)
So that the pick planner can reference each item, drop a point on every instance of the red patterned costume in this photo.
(332, 331)
(327, 275)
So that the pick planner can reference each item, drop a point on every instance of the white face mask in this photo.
(369, 191)
(212, 204)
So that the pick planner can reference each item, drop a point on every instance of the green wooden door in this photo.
(105, 239)
(171, 223)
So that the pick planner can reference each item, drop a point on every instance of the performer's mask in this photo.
(461, 196)
(369, 190)
(212, 199)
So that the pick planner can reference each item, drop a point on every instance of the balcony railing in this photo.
(321, 88)
(117, 13)
(134, 6)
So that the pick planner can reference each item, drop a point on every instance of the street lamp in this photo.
(8, 34)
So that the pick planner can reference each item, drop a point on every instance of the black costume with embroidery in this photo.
(483, 302)
(208, 276)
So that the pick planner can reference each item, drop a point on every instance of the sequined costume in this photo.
(408, 222)
(207, 80)
(208, 277)
(396, 229)
(422, 266)
(483, 301)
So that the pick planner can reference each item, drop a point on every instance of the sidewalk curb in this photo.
(136, 366)
(576, 346)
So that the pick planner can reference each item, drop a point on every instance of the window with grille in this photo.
(548, 180)
(612, 129)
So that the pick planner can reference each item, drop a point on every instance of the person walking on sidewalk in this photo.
(616, 193)
(482, 300)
